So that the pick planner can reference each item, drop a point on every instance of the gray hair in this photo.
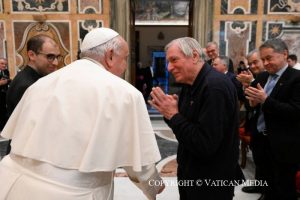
(187, 45)
(213, 43)
(100, 50)
(224, 60)
(251, 53)
(278, 45)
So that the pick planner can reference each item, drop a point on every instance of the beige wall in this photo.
(241, 26)
(67, 21)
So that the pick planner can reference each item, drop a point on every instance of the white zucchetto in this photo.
(97, 37)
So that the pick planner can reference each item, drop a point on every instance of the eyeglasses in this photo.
(51, 57)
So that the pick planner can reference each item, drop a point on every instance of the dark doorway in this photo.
(156, 23)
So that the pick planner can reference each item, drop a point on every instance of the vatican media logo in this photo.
(208, 183)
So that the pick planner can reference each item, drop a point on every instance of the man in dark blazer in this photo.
(212, 52)
(204, 121)
(221, 64)
(4, 83)
(44, 57)
(246, 78)
(278, 119)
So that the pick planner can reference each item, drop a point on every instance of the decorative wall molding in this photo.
(239, 31)
(282, 7)
(85, 26)
(2, 39)
(289, 32)
(91, 6)
(40, 6)
(239, 7)
(47, 28)
(1, 7)
(238, 39)
(57, 17)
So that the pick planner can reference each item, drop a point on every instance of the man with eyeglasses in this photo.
(44, 56)
(212, 52)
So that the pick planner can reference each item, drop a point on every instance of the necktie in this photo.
(261, 126)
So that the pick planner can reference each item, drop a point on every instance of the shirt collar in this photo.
(202, 73)
(280, 72)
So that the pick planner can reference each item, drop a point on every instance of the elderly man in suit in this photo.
(275, 94)
(246, 78)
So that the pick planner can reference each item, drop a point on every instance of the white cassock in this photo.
(69, 133)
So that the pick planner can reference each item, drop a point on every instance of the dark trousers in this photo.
(207, 193)
(280, 176)
(3, 111)
(259, 153)
(190, 190)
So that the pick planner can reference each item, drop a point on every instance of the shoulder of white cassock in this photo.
(83, 117)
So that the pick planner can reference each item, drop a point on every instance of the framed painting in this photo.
(162, 12)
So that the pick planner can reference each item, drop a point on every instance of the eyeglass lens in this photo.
(51, 57)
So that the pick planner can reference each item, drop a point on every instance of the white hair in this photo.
(100, 50)
(187, 45)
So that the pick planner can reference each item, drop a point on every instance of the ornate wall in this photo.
(66, 20)
(239, 26)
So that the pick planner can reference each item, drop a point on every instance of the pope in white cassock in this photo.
(74, 127)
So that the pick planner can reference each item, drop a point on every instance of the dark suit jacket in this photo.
(238, 86)
(230, 66)
(282, 115)
(18, 86)
(4, 74)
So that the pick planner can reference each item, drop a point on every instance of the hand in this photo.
(3, 81)
(162, 188)
(245, 77)
(256, 95)
(166, 104)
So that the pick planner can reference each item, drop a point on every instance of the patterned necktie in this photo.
(261, 126)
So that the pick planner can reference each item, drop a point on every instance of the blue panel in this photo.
(160, 70)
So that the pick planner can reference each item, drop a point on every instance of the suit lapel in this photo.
(262, 80)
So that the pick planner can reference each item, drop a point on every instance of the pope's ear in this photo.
(109, 58)
(110, 54)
